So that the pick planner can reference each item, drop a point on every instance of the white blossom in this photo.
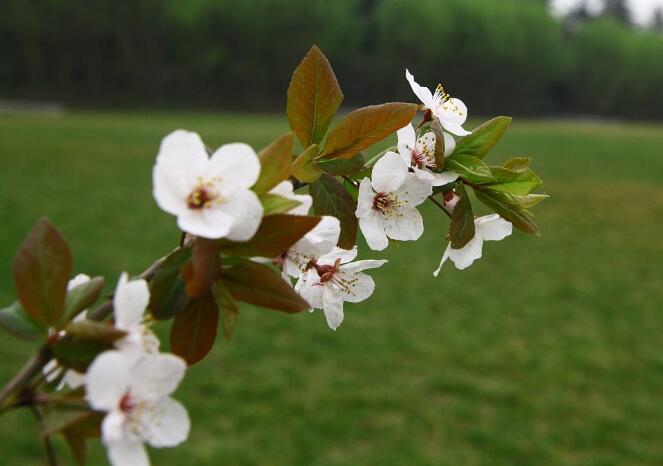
(210, 196)
(419, 154)
(134, 394)
(320, 240)
(129, 303)
(285, 189)
(450, 112)
(487, 228)
(334, 279)
(386, 207)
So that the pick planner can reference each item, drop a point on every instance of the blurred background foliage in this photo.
(501, 56)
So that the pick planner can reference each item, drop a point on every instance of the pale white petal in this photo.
(246, 210)
(332, 307)
(107, 380)
(113, 427)
(423, 93)
(73, 379)
(236, 165)
(309, 288)
(454, 128)
(156, 376)
(185, 148)
(414, 191)
(440, 179)
(404, 225)
(372, 228)
(449, 144)
(127, 453)
(360, 288)
(170, 188)
(424, 174)
(165, 423)
(321, 239)
(426, 144)
(130, 301)
(358, 266)
(493, 227)
(285, 189)
(465, 256)
(51, 370)
(365, 198)
(445, 256)
(77, 280)
(345, 255)
(407, 136)
(388, 173)
(212, 223)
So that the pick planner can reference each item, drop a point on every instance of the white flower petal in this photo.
(107, 380)
(113, 427)
(449, 144)
(358, 266)
(424, 174)
(309, 288)
(73, 379)
(493, 227)
(421, 92)
(156, 376)
(237, 165)
(414, 190)
(365, 198)
(321, 239)
(465, 256)
(127, 453)
(407, 136)
(454, 128)
(372, 228)
(445, 256)
(212, 223)
(346, 255)
(388, 173)
(77, 280)
(440, 179)
(332, 307)
(361, 288)
(407, 225)
(285, 189)
(245, 209)
(165, 423)
(130, 301)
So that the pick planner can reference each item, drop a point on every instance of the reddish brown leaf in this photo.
(275, 163)
(331, 198)
(274, 236)
(41, 271)
(366, 126)
(304, 168)
(194, 330)
(258, 284)
(203, 269)
(313, 98)
(167, 287)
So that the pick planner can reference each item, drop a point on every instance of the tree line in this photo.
(497, 55)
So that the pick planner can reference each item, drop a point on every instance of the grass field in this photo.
(548, 351)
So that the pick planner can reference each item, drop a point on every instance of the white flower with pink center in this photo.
(321, 240)
(386, 207)
(487, 228)
(210, 195)
(419, 154)
(450, 112)
(135, 395)
(333, 279)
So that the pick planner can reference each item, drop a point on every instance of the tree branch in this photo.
(442, 208)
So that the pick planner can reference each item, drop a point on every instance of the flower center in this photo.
(326, 272)
(203, 195)
(127, 404)
(386, 202)
(443, 101)
(420, 157)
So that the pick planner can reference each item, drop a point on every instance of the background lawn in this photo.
(548, 351)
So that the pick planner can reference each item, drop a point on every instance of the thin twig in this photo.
(50, 453)
(442, 208)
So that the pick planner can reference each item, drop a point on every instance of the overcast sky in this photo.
(641, 9)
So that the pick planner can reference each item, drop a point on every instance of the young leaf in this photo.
(470, 168)
(520, 182)
(512, 208)
(227, 307)
(313, 98)
(81, 297)
(275, 163)
(41, 271)
(275, 204)
(304, 167)
(96, 331)
(342, 167)
(366, 126)
(517, 164)
(167, 289)
(331, 198)
(274, 236)
(483, 138)
(203, 269)
(15, 321)
(194, 330)
(461, 229)
(259, 285)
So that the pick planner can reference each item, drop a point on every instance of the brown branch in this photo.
(442, 208)
(50, 453)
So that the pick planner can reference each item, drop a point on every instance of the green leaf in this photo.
(314, 97)
(82, 296)
(342, 167)
(517, 164)
(95, 331)
(258, 284)
(15, 321)
(194, 330)
(331, 198)
(483, 138)
(520, 182)
(167, 288)
(364, 127)
(274, 236)
(41, 271)
(203, 268)
(461, 229)
(275, 163)
(227, 307)
(470, 168)
(275, 204)
(512, 207)
(304, 167)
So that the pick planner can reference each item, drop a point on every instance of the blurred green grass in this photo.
(547, 351)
